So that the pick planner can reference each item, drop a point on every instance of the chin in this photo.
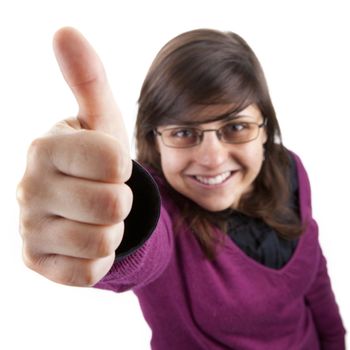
(216, 207)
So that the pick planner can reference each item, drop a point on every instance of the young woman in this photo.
(220, 245)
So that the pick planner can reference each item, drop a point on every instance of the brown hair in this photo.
(202, 68)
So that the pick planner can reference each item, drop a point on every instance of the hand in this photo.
(73, 197)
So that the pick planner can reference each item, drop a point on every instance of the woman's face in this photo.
(214, 174)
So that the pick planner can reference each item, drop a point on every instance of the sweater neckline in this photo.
(229, 243)
(304, 196)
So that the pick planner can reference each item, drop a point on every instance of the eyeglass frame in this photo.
(217, 132)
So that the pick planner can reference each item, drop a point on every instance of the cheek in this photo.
(251, 159)
(171, 161)
(167, 165)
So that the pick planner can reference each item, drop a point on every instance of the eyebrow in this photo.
(223, 118)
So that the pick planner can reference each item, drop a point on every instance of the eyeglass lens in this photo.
(231, 133)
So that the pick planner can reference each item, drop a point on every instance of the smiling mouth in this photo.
(213, 180)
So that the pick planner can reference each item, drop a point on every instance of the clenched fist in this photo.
(73, 197)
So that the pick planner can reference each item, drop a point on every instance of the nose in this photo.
(211, 152)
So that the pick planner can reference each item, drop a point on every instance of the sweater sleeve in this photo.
(320, 297)
(148, 238)
(325, 311)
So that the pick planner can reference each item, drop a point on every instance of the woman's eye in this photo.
(236, 127)
(183, 133)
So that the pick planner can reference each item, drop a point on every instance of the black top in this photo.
(260, 241)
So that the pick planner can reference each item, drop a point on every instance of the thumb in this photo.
(85, 75)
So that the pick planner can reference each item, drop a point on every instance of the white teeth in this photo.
(213, 180)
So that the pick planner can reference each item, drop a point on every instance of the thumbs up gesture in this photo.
(73, 197)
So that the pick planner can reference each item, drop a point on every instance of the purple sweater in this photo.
(232, 302)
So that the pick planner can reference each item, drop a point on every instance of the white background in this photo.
(304, 49)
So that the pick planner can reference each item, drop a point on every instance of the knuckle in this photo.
(124, 166)
(128, 199)
(25, 191)
(25, 227)
(118, 165)
(109, 240)
(102, 242)
(76, 275)
(21, 193)
(64, 270)
(112, 166)
(86, 274)
(29, 258)
(110, 153)
(115, 205)
(31, 228)
(34, 249)
(87, 279)
(29, 263)
(37, 150)
(110, 208)
(31, 183)
(105, 244)
(31, 223)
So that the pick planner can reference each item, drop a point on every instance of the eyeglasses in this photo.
(231, 132)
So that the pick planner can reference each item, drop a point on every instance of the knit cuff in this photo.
(144, 214)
